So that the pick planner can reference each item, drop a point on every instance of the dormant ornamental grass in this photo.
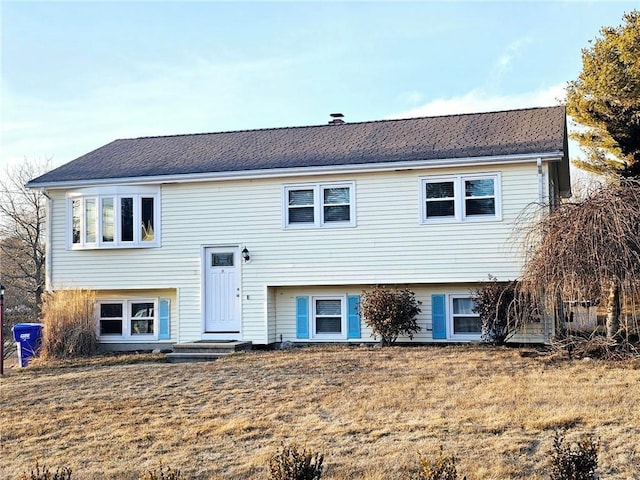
(69, 324)
(371, 412)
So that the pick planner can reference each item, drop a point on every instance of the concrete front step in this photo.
(203, 350)
(177, 357)
(211, 347)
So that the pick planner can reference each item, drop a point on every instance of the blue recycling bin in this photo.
(28, 337)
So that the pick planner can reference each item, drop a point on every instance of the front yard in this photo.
(370, 411)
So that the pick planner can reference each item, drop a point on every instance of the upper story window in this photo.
(319, 205)
(114, 217)
(461, 198)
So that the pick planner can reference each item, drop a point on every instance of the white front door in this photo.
(222, 299)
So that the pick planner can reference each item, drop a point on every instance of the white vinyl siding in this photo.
(389, 244)
(285, 305)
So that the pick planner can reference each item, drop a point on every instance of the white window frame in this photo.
(117, 193)
(459, 198)
(343, 320)
(451, 335)
(318, 205)
(127, 335)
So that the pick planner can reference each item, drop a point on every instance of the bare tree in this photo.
(589, 251)
(22, 242)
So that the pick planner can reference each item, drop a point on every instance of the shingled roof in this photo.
(513, 132)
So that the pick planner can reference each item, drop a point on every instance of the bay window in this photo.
(108, 220)
(114, 217)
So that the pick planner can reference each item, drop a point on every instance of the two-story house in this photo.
(271, 235)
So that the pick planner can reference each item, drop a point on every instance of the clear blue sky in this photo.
(77, 75)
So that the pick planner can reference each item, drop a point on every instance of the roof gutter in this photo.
(303, 171)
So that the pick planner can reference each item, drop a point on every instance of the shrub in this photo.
(161, 473)
(443, 467)
(69, 325)
(574, 462)
(63, 473)
(293, 463)
(497, 306)
(390, 313)
(594, 346)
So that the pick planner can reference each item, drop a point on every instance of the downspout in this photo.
(540, 180)
(48, 261)
(545, 329)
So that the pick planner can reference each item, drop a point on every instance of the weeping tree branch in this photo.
(589, 250)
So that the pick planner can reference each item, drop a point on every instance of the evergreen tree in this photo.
(606, 100)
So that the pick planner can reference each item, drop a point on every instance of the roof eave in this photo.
(304, 171)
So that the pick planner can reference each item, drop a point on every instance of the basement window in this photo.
(127, 320)
(328, 319)
(464, 322)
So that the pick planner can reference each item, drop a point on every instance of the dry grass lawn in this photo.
(369, 410)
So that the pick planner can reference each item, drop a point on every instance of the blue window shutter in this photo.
(164, 325)
(302, 317)
(439, 316)
(353, 316)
